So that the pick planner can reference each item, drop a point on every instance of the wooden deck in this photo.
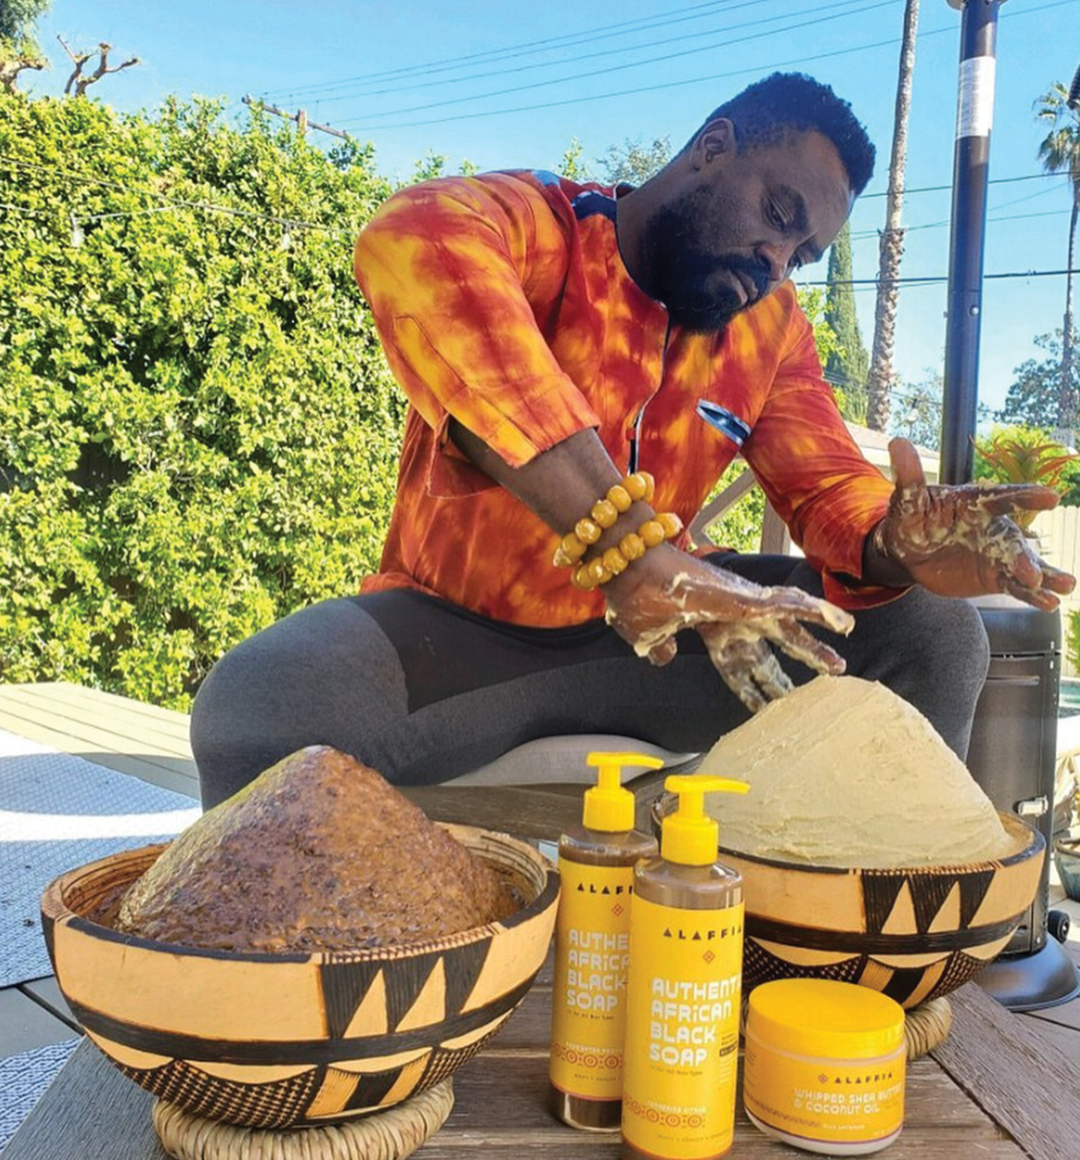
(151, 744)
(116, 732)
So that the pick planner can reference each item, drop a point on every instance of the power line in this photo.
(948, 188)
(815, 7)
(84, 179)
(567, 40)
(300, 117)
(862, 235)
(337, 235)
(166, 202)
(712, 77)
(1063, 183)
(863, 390)
(797, 27)
(935, 279)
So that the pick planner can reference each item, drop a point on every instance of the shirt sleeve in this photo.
(810, 468)
(457, 272)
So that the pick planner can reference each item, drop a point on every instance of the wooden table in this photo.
(91, 1112)
(1002, 1087)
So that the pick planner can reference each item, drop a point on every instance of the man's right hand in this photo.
(667, 590)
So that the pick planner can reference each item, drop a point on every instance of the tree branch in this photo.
(11, 67)
(82, 83)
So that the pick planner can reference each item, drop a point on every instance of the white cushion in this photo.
(562, 759)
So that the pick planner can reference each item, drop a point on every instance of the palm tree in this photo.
(880, 377)
(1059, 152)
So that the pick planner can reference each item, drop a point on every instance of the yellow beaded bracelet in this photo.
(600, 569)
(638, 485)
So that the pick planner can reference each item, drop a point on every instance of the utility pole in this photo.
(300, 117)
(971, 168)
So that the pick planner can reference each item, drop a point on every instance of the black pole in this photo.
(975, 114)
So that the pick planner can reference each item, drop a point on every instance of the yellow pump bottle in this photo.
(684, 988)
(592, 938)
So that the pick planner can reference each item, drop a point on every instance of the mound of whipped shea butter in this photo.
(843, 772)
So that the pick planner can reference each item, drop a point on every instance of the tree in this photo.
(198, 431)
(573, 166)
(1034, 396)
(18, 18)
(633, 162)
(78, 81)
(846, 367)
(18, 48)
(433, 165)
(892, 237)
(428, 167)
(1059, 152)
(918, 414)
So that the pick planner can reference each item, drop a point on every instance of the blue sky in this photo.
(504, 84)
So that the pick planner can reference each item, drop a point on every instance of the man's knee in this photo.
(324, 676)
(234, 721)
(932, 651)
(949, 637)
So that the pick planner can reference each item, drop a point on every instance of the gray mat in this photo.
(23, 1080)
(58, 812)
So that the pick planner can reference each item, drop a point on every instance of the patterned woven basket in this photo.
(278, 1041)
(914, 934)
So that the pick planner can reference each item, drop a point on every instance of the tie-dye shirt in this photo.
(502, 300)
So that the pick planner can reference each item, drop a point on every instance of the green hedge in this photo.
(198, 432)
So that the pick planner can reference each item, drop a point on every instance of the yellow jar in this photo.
(825, 1065)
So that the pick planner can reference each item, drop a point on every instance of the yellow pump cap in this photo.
(689, 836)
(609, 807)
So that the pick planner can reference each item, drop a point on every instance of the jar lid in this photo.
(825, 1018)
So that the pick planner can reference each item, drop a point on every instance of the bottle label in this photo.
(824, 1100)
(588, 1001)
(682, 1030)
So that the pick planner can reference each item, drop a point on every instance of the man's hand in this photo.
(667, 590)
(959, 540)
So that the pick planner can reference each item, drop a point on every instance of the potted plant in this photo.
(1024, 455)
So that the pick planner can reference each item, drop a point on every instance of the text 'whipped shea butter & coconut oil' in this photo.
(592, 948)
(683, 992)
(825, 1065)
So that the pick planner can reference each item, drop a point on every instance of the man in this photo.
(555, 340)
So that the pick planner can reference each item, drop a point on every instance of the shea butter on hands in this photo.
(846, 773)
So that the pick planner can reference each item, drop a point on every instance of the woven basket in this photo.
(276, 1041)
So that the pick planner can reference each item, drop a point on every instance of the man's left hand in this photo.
(959, 540)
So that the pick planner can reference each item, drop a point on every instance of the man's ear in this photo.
(716, 139)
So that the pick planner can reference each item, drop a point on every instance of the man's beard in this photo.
(685, 280)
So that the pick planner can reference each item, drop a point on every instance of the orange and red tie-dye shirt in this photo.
(502, 301)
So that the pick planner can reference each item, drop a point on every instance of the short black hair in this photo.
(793, 102)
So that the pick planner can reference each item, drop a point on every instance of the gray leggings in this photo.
(425, 692)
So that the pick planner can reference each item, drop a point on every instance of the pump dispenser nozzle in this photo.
(689, 836)
(609, 807)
